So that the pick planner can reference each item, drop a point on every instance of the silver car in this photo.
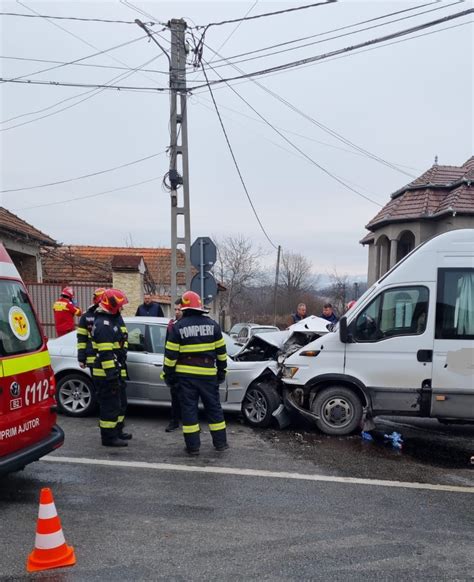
(250, 386)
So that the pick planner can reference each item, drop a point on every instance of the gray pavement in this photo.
(131, 523)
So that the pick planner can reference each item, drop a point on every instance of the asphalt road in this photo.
(279, 505)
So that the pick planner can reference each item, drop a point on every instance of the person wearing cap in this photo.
(85, 350)
(65, 310)
(328, 313)
(196, 360)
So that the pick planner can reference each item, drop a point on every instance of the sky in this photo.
(405, 103)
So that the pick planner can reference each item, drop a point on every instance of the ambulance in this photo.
(28, 428)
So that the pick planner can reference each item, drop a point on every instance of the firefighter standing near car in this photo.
(65, 310)
(195, 358)
(85, 351)
(108, 371)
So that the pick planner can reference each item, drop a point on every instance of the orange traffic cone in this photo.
(50, 550)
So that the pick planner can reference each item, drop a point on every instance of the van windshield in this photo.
(19, 331)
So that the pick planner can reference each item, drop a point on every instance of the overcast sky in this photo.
(405, 102)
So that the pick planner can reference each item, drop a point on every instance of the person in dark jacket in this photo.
(196, 359)
(149, 308)
(328, 313)
(175, 404)
(299, 315)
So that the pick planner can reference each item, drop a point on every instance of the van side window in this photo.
(395, 312)
(455, 304)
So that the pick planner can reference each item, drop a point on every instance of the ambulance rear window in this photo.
(19, 332)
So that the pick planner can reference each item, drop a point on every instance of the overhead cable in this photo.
(84, 85)
(237, 166)
(307, 60)
(90, 195)
(266, 14)
(78, 18)
(84, 176)
(293, 145)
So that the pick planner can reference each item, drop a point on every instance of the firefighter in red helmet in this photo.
(65, 310)
(196, 361)
(109, 370)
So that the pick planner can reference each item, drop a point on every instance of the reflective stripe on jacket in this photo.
(109, 339)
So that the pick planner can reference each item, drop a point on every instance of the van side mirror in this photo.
(343, 333)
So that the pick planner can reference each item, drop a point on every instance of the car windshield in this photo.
(19, 331)
(263, 330)
(230, 345)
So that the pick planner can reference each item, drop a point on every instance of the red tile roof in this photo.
(76, 263)
(441, 189)
(16, 227)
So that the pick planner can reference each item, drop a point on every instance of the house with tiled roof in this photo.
(24, 243)
(439, 200)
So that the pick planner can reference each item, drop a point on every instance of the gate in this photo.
(44, 295)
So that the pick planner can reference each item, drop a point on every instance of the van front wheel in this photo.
(339, 410)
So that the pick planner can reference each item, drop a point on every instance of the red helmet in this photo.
(112, 300)
(68, 292)
(97, 295)
(191, 300)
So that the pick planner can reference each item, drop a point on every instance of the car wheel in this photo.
(339, 410)
(260, 401)
(76, 395)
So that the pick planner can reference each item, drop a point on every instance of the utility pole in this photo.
(179, 169)
(178, 174)
(275, 291)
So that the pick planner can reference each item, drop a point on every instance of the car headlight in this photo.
(289, 371)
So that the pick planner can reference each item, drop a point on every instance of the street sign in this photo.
(205, 287)
(203, 253)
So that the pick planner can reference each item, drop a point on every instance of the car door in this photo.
(453, 350)
(391, 348)
(137, 362)
(156, 338)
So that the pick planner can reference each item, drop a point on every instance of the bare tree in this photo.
(295, 278)
(238, 268)
(340, 291)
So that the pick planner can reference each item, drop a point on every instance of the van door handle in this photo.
(424, 355)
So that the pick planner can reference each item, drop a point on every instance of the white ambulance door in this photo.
(453, 357)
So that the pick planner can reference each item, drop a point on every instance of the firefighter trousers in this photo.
(108, 393)
(123, 404)
(190, 390)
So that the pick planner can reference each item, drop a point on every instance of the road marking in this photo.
(257, 473)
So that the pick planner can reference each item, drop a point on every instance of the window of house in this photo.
(395, 312)
(455, 304)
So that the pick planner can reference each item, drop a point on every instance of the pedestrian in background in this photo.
(175, 418)
(149, 308)
(328, 313)
(195, 357)
(299, 315)
(65, 309)
(85, 350)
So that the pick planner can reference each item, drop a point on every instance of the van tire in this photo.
(260, 402)
(76, 395)
(339, 410)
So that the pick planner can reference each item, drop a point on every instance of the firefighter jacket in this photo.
(195, 348)
(109, 338)
(64, 312)
(85, 349)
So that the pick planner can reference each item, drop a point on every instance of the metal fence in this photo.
(44, 295)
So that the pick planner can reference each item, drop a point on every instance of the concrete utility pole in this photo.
(179, 169)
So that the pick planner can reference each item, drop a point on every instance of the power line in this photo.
(50, 17)
(237, 165)
(383, 16)
(308, 60)
(264, 15)
(325, 128)
(83, 85)
(75, 63)
(309, 158)
(84, 176)
(90, 195)
(293, 48)
(89, 95)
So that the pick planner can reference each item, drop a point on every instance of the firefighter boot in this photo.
(124, 436)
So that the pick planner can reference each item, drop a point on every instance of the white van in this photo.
(405, 348)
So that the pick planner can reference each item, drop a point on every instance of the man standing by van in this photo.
(64, 312)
